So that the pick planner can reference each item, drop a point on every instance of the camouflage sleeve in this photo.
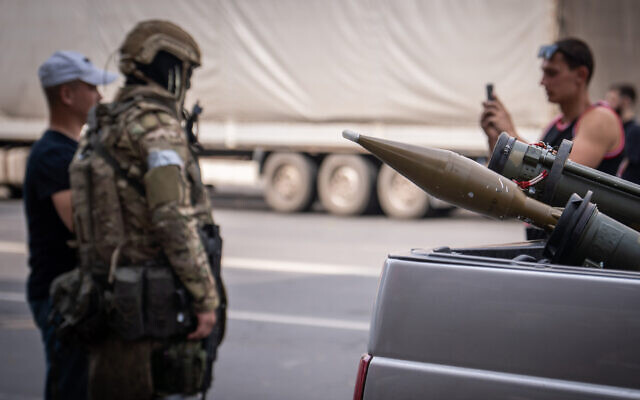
(165, 150)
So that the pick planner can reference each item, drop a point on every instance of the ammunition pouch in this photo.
(147, 302)
(77, 308)
(126, 312)
(179, 367)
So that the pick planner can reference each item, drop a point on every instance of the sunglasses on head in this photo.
(547, 51)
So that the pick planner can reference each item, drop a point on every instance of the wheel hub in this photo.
(344, 185)
(404, 193)
(287, 181)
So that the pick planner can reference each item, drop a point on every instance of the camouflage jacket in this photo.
(152, 215)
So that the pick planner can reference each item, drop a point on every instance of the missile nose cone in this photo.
(351, 135)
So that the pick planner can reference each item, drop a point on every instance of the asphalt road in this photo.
(301, 290)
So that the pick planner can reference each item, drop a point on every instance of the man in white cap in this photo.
(70, 83)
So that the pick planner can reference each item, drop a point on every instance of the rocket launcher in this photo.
(548, 175)
(580, 234)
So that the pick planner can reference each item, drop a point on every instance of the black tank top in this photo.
(632, 150)
(557, 132)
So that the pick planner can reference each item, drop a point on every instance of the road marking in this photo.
(13, 247)
(22, 323)
(17, 324)
(298, 267)
(13, 296)
(13, 396)
(255, 264)
(299, 320)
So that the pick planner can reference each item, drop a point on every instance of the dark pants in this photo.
(66, 372)
(120, 370)
(123, 370)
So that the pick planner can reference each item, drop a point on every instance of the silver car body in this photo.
(471, 327)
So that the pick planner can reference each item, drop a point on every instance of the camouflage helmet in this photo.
(147, 38)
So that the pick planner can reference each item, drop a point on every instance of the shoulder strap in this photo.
(144, 106)
(99, 148)
(106, 156)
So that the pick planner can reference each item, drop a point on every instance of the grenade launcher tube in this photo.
(515, 160)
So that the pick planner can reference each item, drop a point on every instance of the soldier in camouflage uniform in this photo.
(138, 204)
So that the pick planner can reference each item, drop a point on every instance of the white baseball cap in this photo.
(66, 66)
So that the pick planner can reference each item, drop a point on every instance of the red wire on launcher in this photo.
(541, 176)
(532, 181)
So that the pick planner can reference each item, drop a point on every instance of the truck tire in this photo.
(3, 166)
(346, 184)
(16, 165)
(399, 197)
(290, 182)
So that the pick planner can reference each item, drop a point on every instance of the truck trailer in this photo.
(282, 78)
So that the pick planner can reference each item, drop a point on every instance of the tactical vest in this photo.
(104, 180)
(123, 281)
(112, 221)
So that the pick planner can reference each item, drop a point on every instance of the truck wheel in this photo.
(290, 182)
(5, 192)
(16, 165)
(399, 197)
(346, 184)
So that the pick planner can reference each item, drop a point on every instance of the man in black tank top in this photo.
(595, 129)
(557, 132)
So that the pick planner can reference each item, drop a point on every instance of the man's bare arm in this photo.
(598, 133)
(62, 203)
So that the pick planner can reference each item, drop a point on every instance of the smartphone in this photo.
(489, 91)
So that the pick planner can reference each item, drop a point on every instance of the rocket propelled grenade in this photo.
(459, 180)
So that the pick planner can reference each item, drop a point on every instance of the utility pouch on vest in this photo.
(126, 312)
(178, 368)
(77, 308)
(167, 311)
(147, 302)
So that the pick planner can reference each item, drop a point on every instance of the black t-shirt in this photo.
(47, 173)
(632, 149)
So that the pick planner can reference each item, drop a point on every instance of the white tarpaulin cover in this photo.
(289, 61)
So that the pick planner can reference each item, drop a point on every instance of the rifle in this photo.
(191, 120)
(212, 243)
